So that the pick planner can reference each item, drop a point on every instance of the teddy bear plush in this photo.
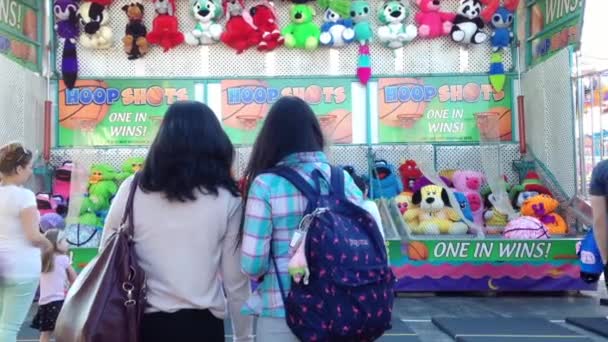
(468, 24)
(433, 216)
(265, 19)
(207, 30)
(96, 31)
(469, 183)
(337, 29)
(395, 33)
(302, 33)
(67, 27)
(432, 23)
(543, 207)
(135, 42)
(165, 28)
(240, 33)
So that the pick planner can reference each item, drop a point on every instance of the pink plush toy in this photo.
(526, 228)
(298, 266)
(433, 23)
(469, 183)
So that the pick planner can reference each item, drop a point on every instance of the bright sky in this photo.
(594, 46)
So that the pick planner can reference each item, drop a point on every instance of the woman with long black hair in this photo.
(291, 136)
(187, 213)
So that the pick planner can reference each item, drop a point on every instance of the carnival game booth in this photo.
(411, 95)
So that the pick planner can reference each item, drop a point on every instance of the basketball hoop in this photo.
(408, 120)
(327, 120)
(488, 124)
(248, 122)
(87, 126)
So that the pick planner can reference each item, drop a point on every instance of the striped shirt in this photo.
(274, 210)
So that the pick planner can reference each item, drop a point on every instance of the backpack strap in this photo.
(298, 181)
(337, 182)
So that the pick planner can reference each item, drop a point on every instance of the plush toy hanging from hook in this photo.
(165, 28)
(395, 33)
(359, 11)
(500, 19)
(302, 32)
(134, 41)
(265, 18)
(468, 24)
(240, 33)
(206, 31)
(66, 27)
(338, 28)
(95, 21)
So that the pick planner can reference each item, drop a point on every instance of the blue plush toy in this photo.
(501, 20)
(338, 28)
(465, 206)
(385, 181)
(590, 258)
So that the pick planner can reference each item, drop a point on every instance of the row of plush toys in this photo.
(256, 25)
(83, 227)
(427, 209)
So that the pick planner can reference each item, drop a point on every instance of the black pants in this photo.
(182, 326)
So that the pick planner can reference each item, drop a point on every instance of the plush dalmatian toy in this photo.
(468, 24)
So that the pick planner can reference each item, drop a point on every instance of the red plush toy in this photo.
(265, 19)
(410, 173)
(165, 28)
(104, 3)
(241, 33)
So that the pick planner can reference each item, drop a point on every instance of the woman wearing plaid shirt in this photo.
(291, 136)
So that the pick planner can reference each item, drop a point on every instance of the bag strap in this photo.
(298, 181)
(337, 182)
(128, 214)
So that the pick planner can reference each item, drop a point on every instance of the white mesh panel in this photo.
(419, 57)
(550, 118)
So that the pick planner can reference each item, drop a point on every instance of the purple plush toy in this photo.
(422, 182)
(66, 26)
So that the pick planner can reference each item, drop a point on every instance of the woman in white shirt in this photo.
(20, 240)
(187, 212)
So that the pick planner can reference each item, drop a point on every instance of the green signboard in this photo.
(245, 103)
(116, 112)
(553, 25)
(441, 109)
(20, 32)
(487, 250)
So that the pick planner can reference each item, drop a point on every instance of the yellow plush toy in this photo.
(433, 216)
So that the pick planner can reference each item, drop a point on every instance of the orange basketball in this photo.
(395, 113)
(240, 115)
(417, 250)
(30, 25)
(470, 92)
(77, 116)
(337, 126)
(155, 95)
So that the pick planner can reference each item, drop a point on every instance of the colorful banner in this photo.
(441, 109)
(245, 103)
(116, 112)
(490, 250)
(553, 25)
(19, 32)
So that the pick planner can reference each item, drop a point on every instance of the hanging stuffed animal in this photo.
(501, 20)
(337, 29)
(66, 26)
(207, 30)
(94, 19)
(241, 33)
(265, 19)
(135, 43)
(359, 11)
(104, 3)
(165, 28)
(468, 24)
(432, 23)
(302, 32)
(395, 33)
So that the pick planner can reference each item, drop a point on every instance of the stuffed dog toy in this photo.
(394, 33)
(165, 28)
(433, 214)
(241, 33)
(135, 43)
(207, 30)
(302, 33)
(96, 34)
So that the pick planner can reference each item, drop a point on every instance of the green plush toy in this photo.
(129, 167)
(302, 33)
(88, 216)
(101, 181)
(360, 11)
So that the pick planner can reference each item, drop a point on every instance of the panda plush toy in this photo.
(468, 23)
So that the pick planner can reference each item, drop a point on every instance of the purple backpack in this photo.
(349, 296)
